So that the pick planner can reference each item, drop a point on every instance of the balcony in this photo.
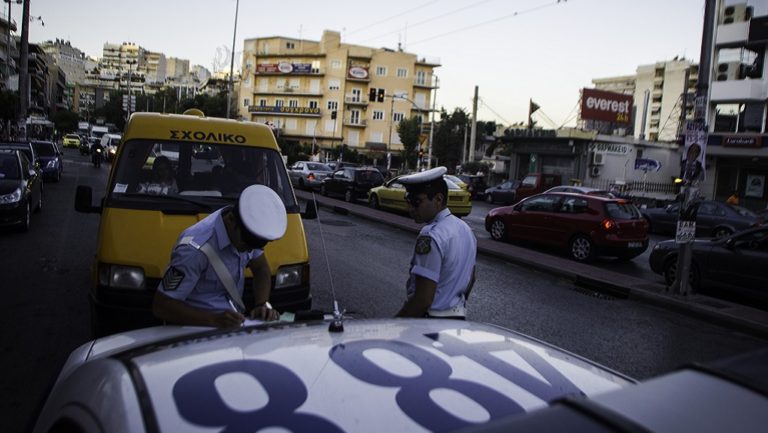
(291, 92)
(739, 90)
(360, 123)
(285, 111)
(732, 34)
(352, 100)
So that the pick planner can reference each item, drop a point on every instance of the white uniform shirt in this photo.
(445, 253)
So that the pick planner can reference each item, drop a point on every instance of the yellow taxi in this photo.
(212, 161)
(391, 196)
(457, 180)
(71, 140)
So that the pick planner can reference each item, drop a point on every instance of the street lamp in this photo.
(232, 64)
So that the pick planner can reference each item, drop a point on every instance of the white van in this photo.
(109, 142)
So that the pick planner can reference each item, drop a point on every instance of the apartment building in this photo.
(663, 83)
(737, 148)
(9, 51)
(333, 93)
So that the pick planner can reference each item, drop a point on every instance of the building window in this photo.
(279, 102)
(315, 67)
(290, 124)
(312, 104)
(397, 117)
(290, 45)
(293, 103)
(333, 105)
(246, 102)
(354, 117)
(377, 137)
(334, 85)
(421, 78)
(262, 102)
(381, 71)
(335, 64)
(402, 73)
(378, 115)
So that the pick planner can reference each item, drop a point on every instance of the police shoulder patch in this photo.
(172, 278)
(423, 244)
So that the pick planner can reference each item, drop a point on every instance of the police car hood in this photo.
(377, 375)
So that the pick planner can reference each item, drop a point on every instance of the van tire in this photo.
(349, 196)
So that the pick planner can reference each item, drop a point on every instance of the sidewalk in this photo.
(724, 313)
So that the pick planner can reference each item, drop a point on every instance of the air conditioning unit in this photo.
(729, 71)
(594, 171)
(598, 158)
(736, 14)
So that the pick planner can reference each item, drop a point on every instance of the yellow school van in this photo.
(212, 160)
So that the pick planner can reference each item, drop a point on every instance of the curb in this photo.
(723, 313)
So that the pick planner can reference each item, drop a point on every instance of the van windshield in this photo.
(177, 174)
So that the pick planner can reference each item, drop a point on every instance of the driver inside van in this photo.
(163, 180)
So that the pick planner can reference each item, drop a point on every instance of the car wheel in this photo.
(670, 273)
(721, 232)
(498, 230)
(373, 202)
(582, 249)
(349, 196)
(323, 191)
(489, 198)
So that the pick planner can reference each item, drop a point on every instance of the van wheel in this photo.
(582, 249)
(349, 196)
(373, 202)
(498, 230)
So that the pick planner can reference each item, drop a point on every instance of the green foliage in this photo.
(409, 130)
(448, 137)
(65, 121)
(112, 110)
(9, 105)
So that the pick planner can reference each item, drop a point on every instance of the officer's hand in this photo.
(227, 319)
(264, 313)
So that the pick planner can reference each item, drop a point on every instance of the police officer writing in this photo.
(204, 281)
(442, 269)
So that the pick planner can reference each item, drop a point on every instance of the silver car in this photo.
(308, 174)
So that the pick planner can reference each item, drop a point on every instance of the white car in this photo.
(389, 375)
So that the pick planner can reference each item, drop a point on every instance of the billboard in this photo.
(605, 106)
(284, 68)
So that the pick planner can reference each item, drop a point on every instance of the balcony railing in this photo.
(353, 100)
(361, 123)
(285, 111)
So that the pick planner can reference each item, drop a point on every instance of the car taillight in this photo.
(310, 176)
(608, 225)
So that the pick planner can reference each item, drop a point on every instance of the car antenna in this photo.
(337, 324)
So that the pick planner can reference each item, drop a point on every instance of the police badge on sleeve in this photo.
(423, 244)
(172, 278)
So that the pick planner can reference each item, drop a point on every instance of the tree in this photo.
(448, 139)
(9, 106)
(409, 130)
(112, 110)
(65, 121)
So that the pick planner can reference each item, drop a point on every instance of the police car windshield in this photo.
(203, 173)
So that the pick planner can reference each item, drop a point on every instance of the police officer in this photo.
(443, 265)
(203, 284)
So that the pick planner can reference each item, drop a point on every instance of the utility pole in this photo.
(24, 71)
(231, 85)
(391, 121)
(473, 137)
(432, 123)
(694, 166)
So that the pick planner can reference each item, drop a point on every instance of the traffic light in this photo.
(381, 95)
(372, 95)
(333, 114)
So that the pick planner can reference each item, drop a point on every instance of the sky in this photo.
(513, 50)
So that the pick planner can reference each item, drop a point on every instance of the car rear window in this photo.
(9, 166)
(369, 176)
(44, 149)
(316, 166)
(622, 210)
(744, 211)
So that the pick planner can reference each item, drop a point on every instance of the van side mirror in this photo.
(84, 200)
(310, 211)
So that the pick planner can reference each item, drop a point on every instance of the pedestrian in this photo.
(734, 198)
(203, 284)
(442, 270)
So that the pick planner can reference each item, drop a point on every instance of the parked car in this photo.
(351, 183)
(735, 262)
(714, 219)
(71, 140)
(50, 159)
(505, 193)
(341, 164)
(455, 179)
(308, 174)
(535, 183)
(27, 148)
(386, 375)
(587, 226)
(475, 185)
(582, 190)
(391, 196)
(21, 189)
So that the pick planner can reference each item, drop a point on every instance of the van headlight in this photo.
(289, 276)
(13, 197)
(121, 277)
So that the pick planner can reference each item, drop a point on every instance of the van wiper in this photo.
(202, 202)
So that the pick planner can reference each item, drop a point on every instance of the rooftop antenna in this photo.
(337, 324)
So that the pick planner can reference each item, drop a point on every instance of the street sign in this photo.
(686, 232)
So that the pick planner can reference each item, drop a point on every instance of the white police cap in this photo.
(424, 176)
(262, 212)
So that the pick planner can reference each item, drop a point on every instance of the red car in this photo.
(588, 226)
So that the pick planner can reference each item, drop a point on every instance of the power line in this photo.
(572, 114)
(431, 19)
(452, 32)
(392, 17)
(485, 104)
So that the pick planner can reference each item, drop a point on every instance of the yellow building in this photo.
(334, 93)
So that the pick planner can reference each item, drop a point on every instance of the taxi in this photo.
(212, 161)
(382, 375)
(391, 196)
(71, 140)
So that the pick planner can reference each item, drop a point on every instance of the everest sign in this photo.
(605, 106)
